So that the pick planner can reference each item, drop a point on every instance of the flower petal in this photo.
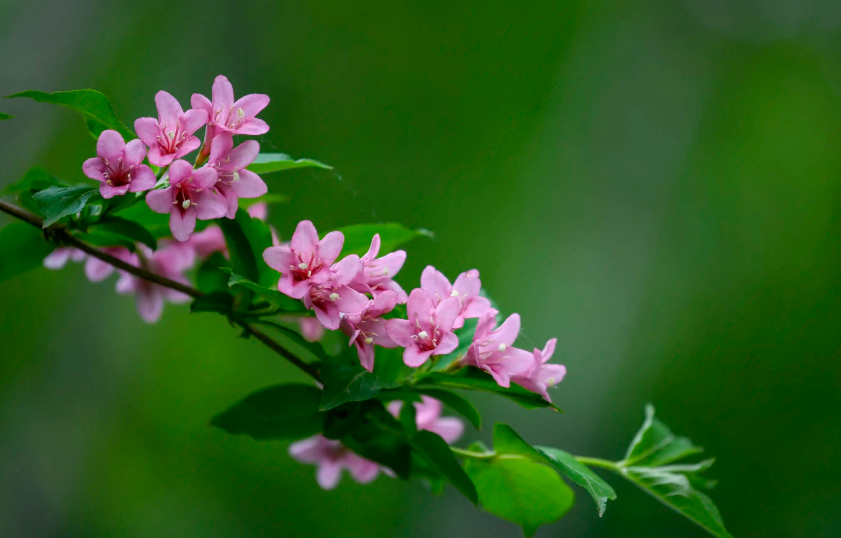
(193, 120)
(373, 250)
(201, 102)
(328, 475)
(330, 247)
(249, 185)
(149, 303)
(401, 331)
(169, 110)
(134, 152)
(253, 127)
(243, 155)
(220, 146)
(446, 313)
(449, 428)
(414, 357)
(222, 93)
(143, 180)
(211, 205)
(436, 284)
(94, 168)
(191, 144)
(251, 104)
(147, 130)
(305, 238)
(107, 191)
(160, 201)
(419, 305)
(204, 178)
(182, 223)
(448, 344)
(110, 146)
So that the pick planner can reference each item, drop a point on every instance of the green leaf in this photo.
(392, 235)
(674, 485)
(94, 107)
(23, 248)
(566, 464)
(247, 238)
(209, 276)
(58, 202)
(314, 348)
(475, 379)
(105, 239)
(521, 491)
(5, 116)
(507, 441)
(276, 300)
(279, 412)
(655, 444)
(218, 301)
(346, 381)
(130, 230)
(437, 453)
(156, 224)
(453, 401)
(269, 199)
(409, 418)
(35, 179)
(275, 162)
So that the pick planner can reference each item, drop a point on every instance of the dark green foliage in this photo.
(275, 162)
(94, 107)
(280, 412)
(23, 248)
(392, 235)
(475, 379)
(58, 202)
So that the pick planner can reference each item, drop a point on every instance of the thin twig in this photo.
(64, 237)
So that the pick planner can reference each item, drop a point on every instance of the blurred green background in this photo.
(655, 183)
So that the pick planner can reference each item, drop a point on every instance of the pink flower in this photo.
(367, 328)
(376, 275)
(542, 376)
(466, 288)
(331, 457)
(170, 260)
(225, 114)
(428, 417)
(492, 349)
(97, 270)
(171, 136)
(306, 261)
(208, 241)
(428, 331)
(235, 181)
(118, 166)
(189, 196)
(332, 297)
(311, 329)
(58, 258)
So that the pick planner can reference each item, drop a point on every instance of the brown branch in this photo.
(64, 237)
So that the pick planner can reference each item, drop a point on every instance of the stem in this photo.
(470, 455)
(596, 462)
(62, 236)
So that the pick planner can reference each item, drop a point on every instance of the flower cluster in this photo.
(331, 457)
(193, 192)
(338, 292)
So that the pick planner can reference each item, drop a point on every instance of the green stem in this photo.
(470, 455)
(596, 462)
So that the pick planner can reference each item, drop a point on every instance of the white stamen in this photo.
(185, 204)
(502, 347)
(551, 381)
(236, 175)
(369, 340)
(240, 114)
(385, 271)
(109, 183)
(423, 334)
(302, 265)
(170, 134)
(334, 296)
(454, 293)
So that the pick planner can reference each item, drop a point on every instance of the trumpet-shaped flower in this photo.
(332, 297)
(466, 289)
(367, 328)
(97, 270)
(190, 196)
(59, 257)
(428, 331)
(170, 136)
(542, 376)
(227, 115)
(331, 457)
(428, 417)
(119, 166)
(376, 275)
(235, 181)
(492, 349)
(306, 261)
(170, 261)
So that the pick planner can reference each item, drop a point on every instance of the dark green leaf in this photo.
(409, 418)
(521, 491)
(94, 107)
(275, 162)
(23, 247)
(247, 238)
(392, 235)
(155, 223)
(105, 239)
(279, 412)
(314, 348)
(567, 465)
(507, 441)
(655, 444)
(455, 402)
(346, 381)
(5, 116)
(474, 379)
(58, 202)
(128, 229)
(218, 301)
(209, 276)
(276, 300)
(35, 179)
(438, 454)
